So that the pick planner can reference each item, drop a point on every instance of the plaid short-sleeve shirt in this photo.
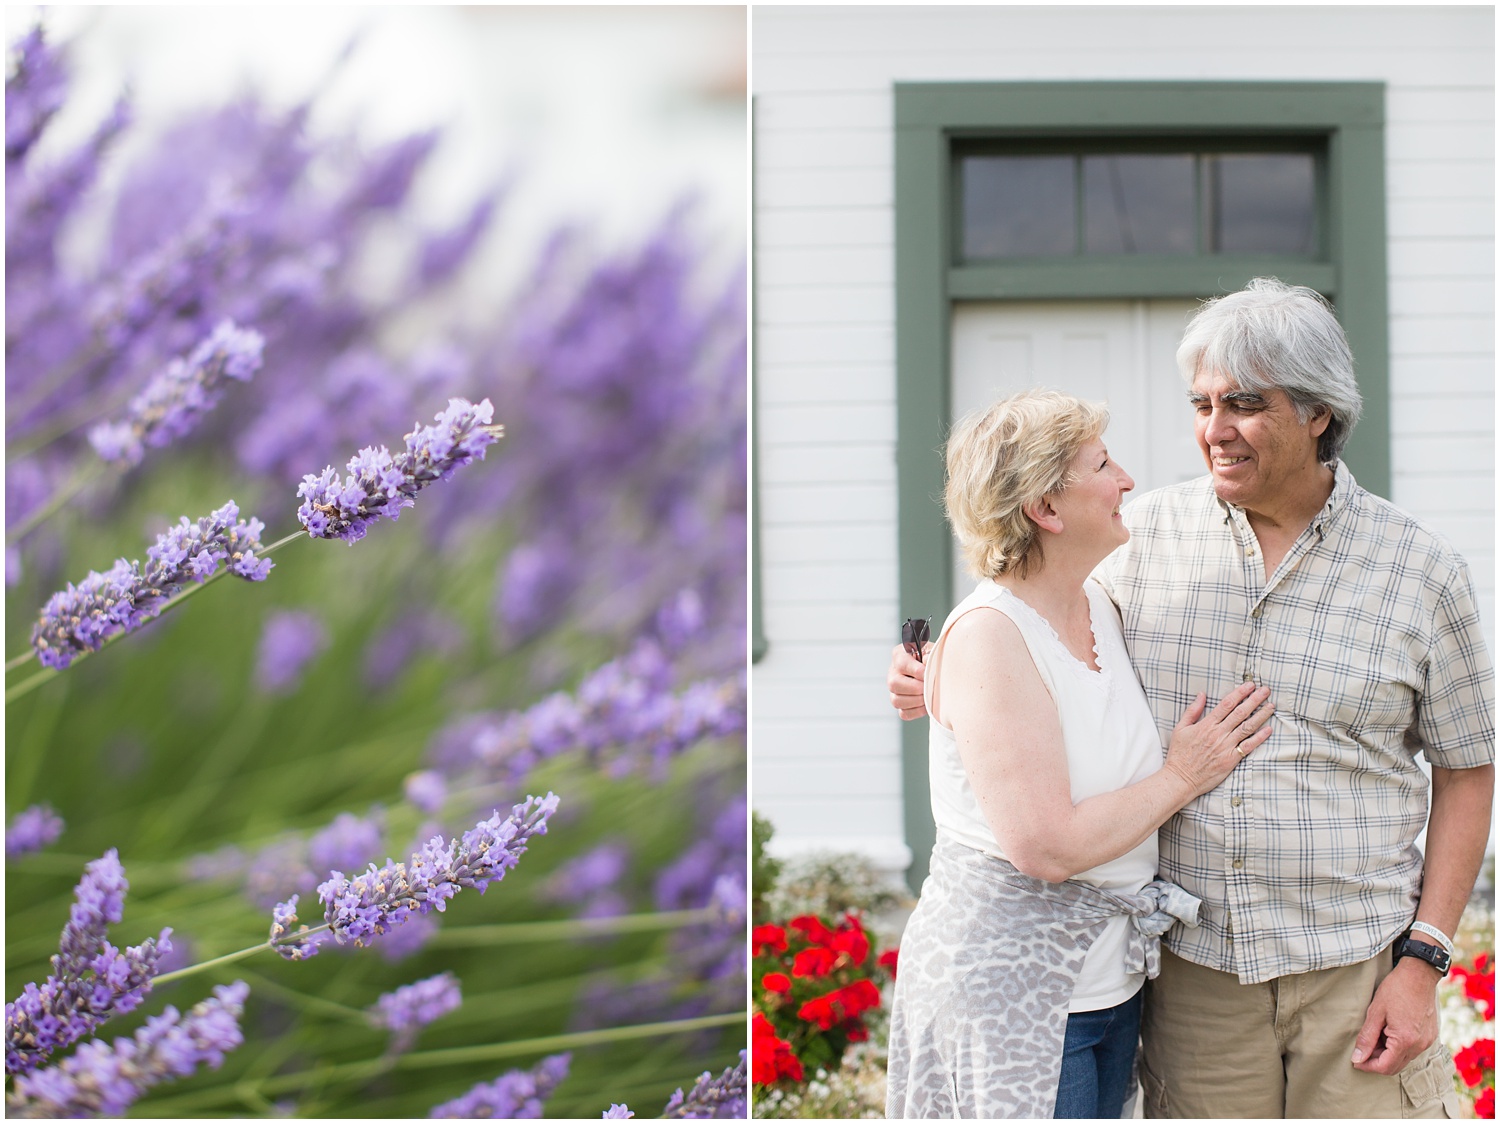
(1367, 635)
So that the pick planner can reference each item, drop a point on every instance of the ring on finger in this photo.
(1241, 750)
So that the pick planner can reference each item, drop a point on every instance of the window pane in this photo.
(1138, 204)
(1263, 203)
(1017, 206)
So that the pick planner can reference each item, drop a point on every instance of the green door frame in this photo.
(929, 116)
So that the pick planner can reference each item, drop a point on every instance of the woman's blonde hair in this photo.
(1007, 456)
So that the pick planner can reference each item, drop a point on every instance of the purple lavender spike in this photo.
(33, 93)
(381, 484)
(104, 1080)
(91, 980)
(348, 842)
(516, 1095)
(625, 713)
(32, 829)
(176, 400)
(81, 618)
(617, 1112)
(408, 1009)
(288, 643)
(382, 898)
(711, 1098)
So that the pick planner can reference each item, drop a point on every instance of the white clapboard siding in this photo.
(826, 746)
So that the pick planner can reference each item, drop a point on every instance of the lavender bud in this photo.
(617, 1112)
(381, 899)
(516, 1095)
(426, 791)
(711, 1098)
(104, 1080)
(81, 618)
(288, 643)
(31, 830)
(292, 944)
(176, 400)
(91, 980)
(408, 1009)
(380, 484)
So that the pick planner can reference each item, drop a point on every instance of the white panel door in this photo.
(1120, 352)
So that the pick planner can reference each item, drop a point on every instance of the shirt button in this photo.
(1247, 677)
(1238, 863)
(1255, 612)
(1236, 801)
(1249, 552)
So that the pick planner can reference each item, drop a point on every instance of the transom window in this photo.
(1172, 199)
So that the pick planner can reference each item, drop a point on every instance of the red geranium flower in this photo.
(1484, 1105)
(767, 938)
(814, 962)
(1479, 983)
(822, 1011)
(778, 982)
(1475, 1059)
(810, 927)
(771, 1058)
(887, 959)
(860, 996)
(852, 941)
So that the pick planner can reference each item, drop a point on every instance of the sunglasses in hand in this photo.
(915, 632)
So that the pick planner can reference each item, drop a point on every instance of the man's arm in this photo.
(1402, 1018)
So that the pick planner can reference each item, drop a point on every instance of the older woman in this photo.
(1022, 965)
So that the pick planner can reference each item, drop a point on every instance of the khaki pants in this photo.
(1213, 1047)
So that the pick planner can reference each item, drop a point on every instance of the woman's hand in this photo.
(905, 682)
(1206, 748)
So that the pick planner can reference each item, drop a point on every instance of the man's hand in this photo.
(1402, 1020)
(905, 681)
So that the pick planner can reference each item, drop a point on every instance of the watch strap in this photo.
(1431, 953)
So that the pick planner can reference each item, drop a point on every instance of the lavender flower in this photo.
(33, 93)
(176, 400)
(426, 791)
(82, 618)
(408, 1009)
(380, 484)
(625, 714)
(381, 899)
(104, 1080)
(617, 1112)
(289, 641)
(515, 1095)
(293, 944)
(91, 980)
(711, 1098)
(349, 841)
(32, 829)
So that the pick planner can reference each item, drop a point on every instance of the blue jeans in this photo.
(1098, 1055)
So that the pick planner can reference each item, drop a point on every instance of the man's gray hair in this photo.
(1271, 335)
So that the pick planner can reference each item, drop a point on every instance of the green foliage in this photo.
(764, 868)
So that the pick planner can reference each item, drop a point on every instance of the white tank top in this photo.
(1110, 739)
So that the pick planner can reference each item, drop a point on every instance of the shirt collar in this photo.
(1344, 486)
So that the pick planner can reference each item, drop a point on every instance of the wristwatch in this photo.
(1437, 957)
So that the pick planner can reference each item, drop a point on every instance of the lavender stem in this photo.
(229, 957)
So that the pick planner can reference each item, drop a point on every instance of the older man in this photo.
(1308, 990)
